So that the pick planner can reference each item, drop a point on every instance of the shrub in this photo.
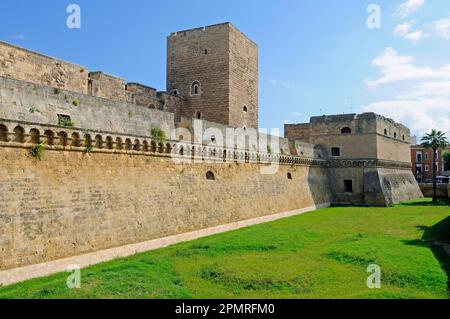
(76, 102)
(37, 151)
(158, 135)
(33, 110)
(56, 91)
(89, 148)
(65, 121)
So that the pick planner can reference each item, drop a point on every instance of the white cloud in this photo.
(442, 28)
(394, 68)
(422, 101)
(420, 115)
(408, 7)
(405, 30)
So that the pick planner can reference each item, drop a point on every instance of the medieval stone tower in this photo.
(215, 69)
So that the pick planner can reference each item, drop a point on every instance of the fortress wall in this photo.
(398, 185)
(214, 128)
(300, 132)
(33, 67)
(107, 86)
(337, 176)
(389, 148)
(72, 203)
(41, 104)
(442, 190)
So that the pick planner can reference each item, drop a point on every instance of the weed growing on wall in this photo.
(76, 102)
(64, 121)
(37, 151)
(158, 134)
(34, 110)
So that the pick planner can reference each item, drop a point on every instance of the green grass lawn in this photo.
(322, 254)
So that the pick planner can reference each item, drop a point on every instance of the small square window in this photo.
(336, 151)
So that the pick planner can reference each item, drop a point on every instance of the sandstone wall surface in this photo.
(42, 104)
(33, 67)
(72, 203)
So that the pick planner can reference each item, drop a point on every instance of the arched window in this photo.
(289, 175)
(210, 176)
(195, 88)
(403, 137)
(75, 140)
(35, 136)
(62, 136)
(152, 106)
(19, 134)
(49, 137)
(128, 144)
(137, 145)
(346, 130)
(385, 132)
(87, 140)
(109, 143)
(119, 144)
(395, 135)
(245, 109)
(198, 115)
(98, 141)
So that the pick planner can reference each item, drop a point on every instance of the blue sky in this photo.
(316, 57)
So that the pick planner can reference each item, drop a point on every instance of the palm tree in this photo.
(435, 140)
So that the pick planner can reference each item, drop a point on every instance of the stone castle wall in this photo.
(371, 136)
(41, 104)
(243, 84)
(72, 202)
(33, 67)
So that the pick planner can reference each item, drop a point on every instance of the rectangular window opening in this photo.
(348, 186)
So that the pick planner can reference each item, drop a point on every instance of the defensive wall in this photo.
(105, 182)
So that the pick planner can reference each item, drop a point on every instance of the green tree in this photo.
(435, 140)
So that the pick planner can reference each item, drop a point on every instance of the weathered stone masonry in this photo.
(104, 182)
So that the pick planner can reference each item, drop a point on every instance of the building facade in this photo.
(422, 163)
(368, 155)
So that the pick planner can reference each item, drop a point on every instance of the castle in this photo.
(106, 187)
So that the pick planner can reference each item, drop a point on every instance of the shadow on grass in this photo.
(434, 238)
